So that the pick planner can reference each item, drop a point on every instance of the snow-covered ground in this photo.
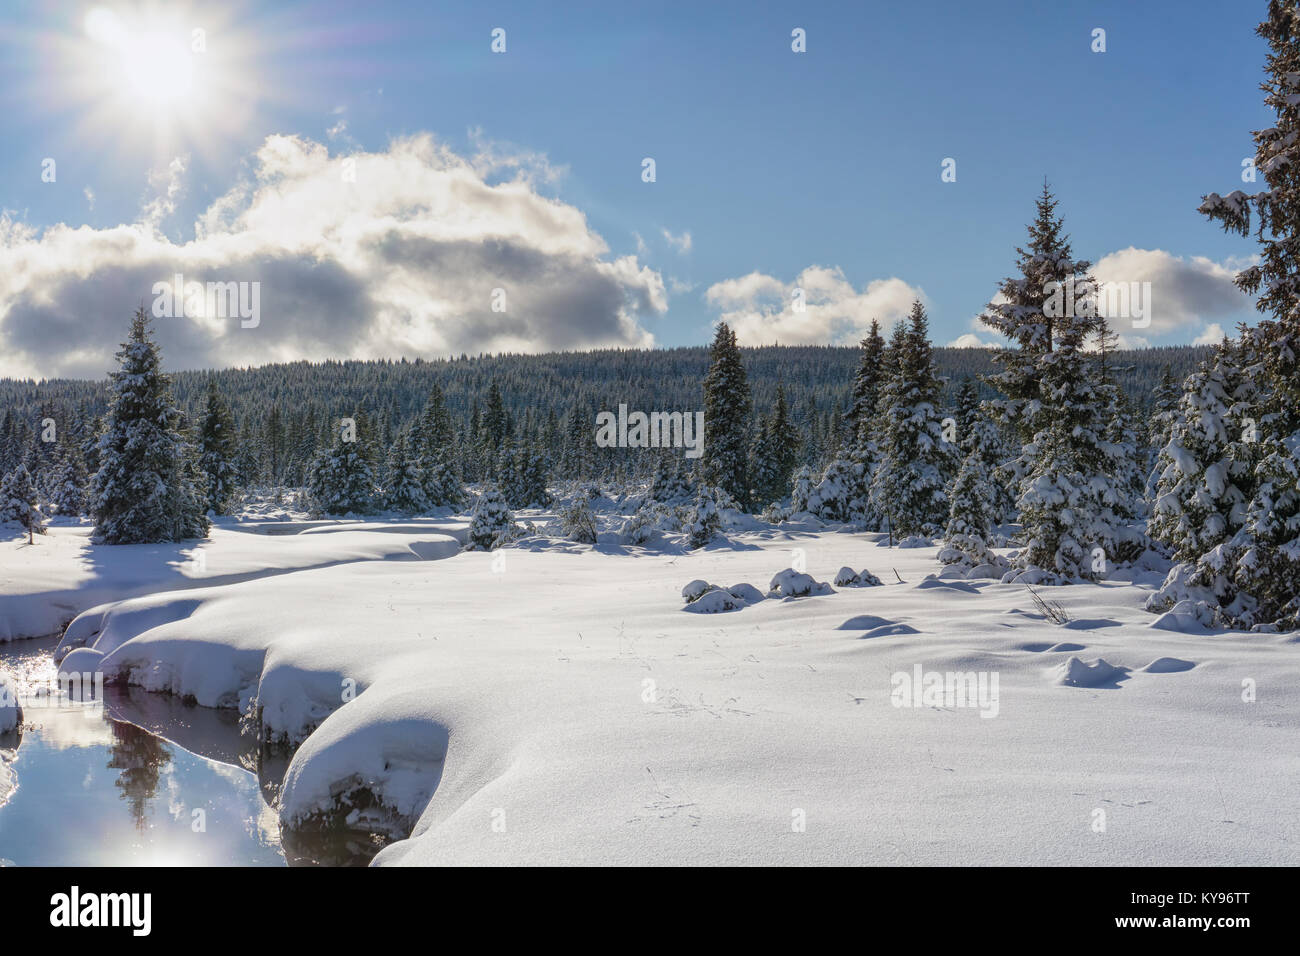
(556, 702)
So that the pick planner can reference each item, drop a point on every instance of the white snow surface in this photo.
(556, 706)
(45, 585)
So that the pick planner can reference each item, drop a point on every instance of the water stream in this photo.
(137, 778)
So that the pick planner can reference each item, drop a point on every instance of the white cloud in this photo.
(760, 307)
(1212, 335)
(970, 340)
(681, 243)
(168, 185)
(403, 260)
(1186, 293)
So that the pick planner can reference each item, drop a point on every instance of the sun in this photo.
(151, 64)
(173, 77)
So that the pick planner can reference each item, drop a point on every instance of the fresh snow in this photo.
(549, 702)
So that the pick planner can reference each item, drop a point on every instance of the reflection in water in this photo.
(139, 758)
(144, 779)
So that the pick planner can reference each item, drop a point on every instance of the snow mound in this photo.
(704, 598)
(1077, 673)
(695, 590)
(985, 571)
(1031, 576)
(848, 578)
(11, 712)
(916, 541)
(1188, 617)
(791, 583)
(1168, 665)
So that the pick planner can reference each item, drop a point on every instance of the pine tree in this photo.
(774, 454)
(704, 522)
(1164, 412)
(142, 493)
(18, 501)
(1200, 503)
(1119, 434)
(525, 477)
(1054, 401)
(69, 495)
(1263, 558)
(972, 508)
(404, 482)
(341, 481)
(217, 451)
(727, 409)
(910, 485)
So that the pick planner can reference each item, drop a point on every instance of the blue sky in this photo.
(773, 162)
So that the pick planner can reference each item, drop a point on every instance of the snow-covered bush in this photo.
(491, 523)
(704, 598)
(848, 578)
(651, 518)
(704, 523)
(792, 583)
(577, 522)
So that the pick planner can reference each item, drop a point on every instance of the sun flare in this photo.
(152, 65)
(181, 76)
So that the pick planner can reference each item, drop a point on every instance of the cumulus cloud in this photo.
(1186, 294)
(761, 308)
(376, 254)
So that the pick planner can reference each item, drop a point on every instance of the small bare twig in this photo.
(1052, 610)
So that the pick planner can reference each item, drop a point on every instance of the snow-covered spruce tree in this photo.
(704, 523)
(773, 456)
(432, 447)
(801, 489)
(671, 484)
(1046, 265)
(18, 501)
(1160, 425)
(910, 485)
(1067, 498)
(491, 524)
(524, 474)
(217, 451)
(836, 497)
(1054, 403)
(340, 480)
(69, 496)
(1121, 442)
(971, 498)
(142, 493)
(1200, 503)
(727, 410)
(404, 482)
(1263, 557)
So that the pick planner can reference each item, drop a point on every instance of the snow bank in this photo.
(557, 708)
(50, 583)
(11, 712)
